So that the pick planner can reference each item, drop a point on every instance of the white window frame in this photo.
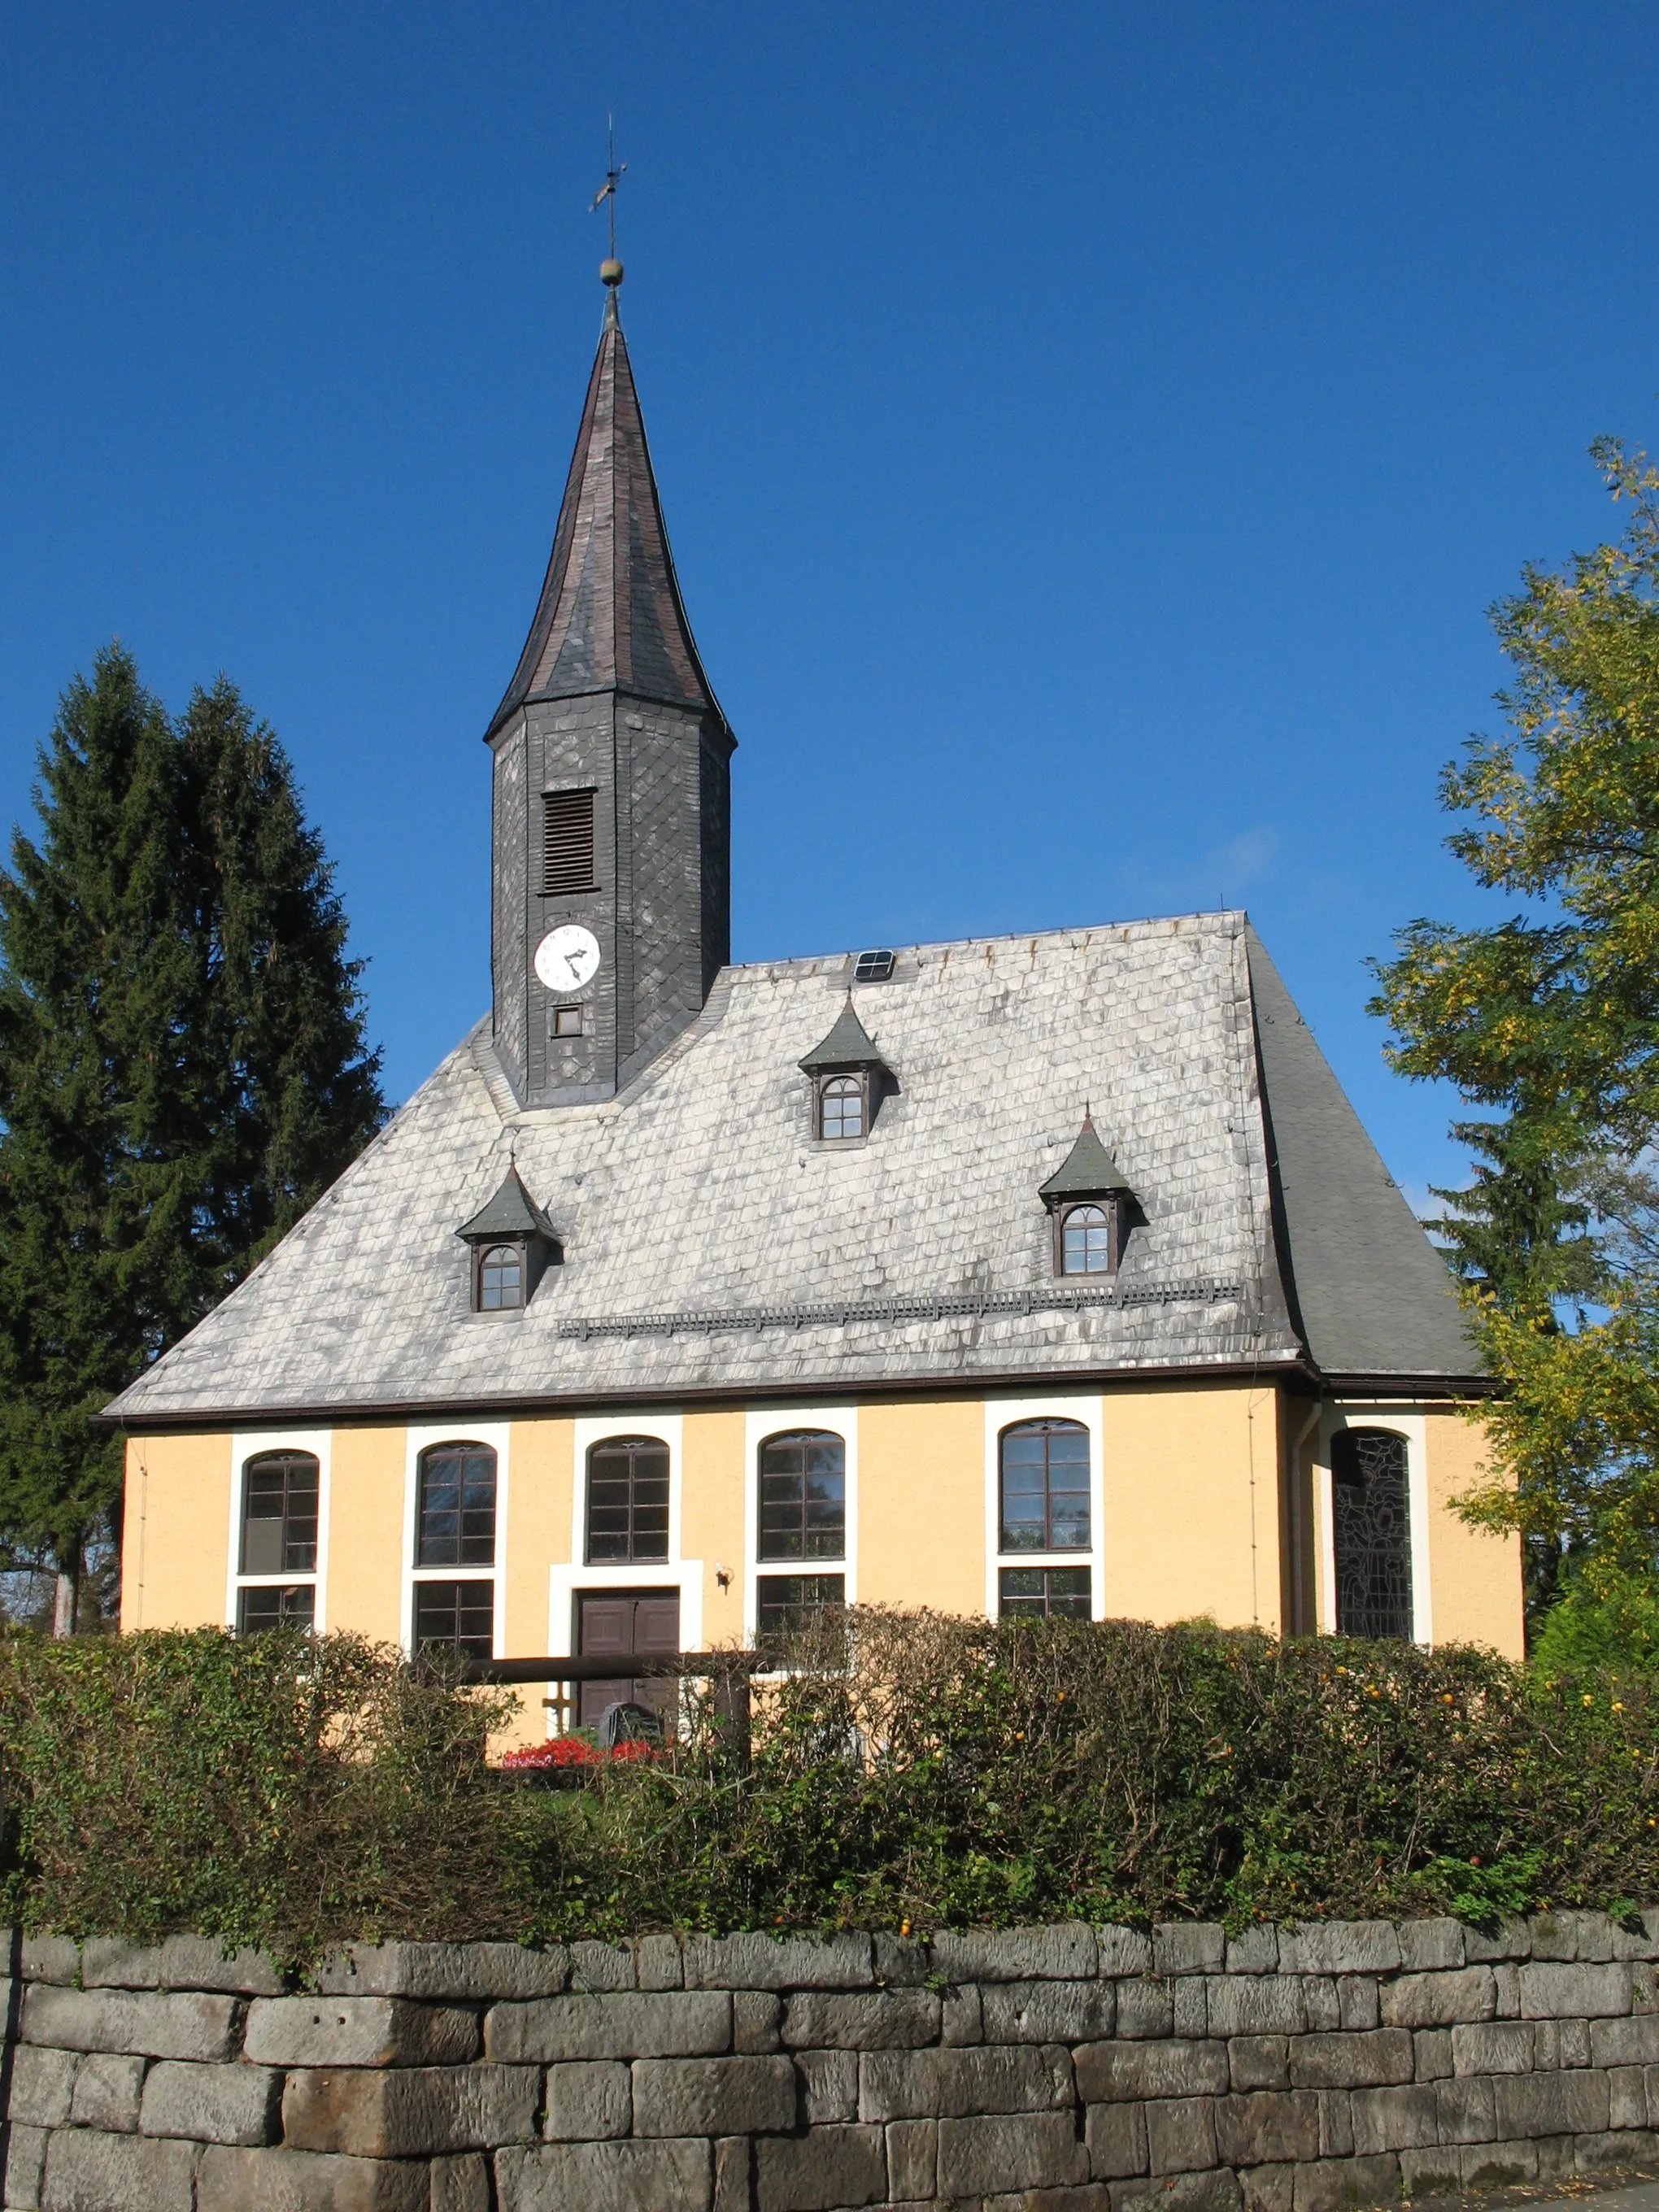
(498, 1435)
(1000, 1413)
(675, 1572)
(1411, 1425)
(255, 1445)
(841, 1420)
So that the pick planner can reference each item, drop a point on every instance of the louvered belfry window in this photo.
(566, 842)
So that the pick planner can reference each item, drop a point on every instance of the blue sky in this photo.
(1091, 435)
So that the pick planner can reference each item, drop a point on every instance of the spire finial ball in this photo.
(610, 273)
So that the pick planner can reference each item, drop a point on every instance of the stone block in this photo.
(1191, 2013)
(1378, 2060)
(979, 2157)
(829, 2168)
(671, 2024)
(152, 2026)
(1627, 2097)
(1336, 2123)
(235, 2104)
(1551, 2103)
(1634, 2042)
(1554, 1936)
(42, 2085)
(1115, 2137)
(901, 1964)
(54, 1959)
(1636, 1938)
(1256, 2004)
(1123, 1951)
(830, 2085)
(1358, 2006)
(1329, 2184)
(1439, 2000)
(1554, 2156)
(25, 2166)
(1393, 2119)
(1497, 2164)
(1510, 1937)
(461, 2184)
(1428, 1946)
(914, 2085)
(1048, 2012)
(181, 1962)
(1324, 2008)
(1593, 1935)
(1606, 2153)
(1651, 2075)
(89, 2171)
(733, 2161)
(601, 1966)
(1573, 2042)
(1109, 2072)
(357, 2032)
(1181, 2135)
(1082, 2197)
(606, 2177)
(1063, 1953)
(912, 2161)
(1268, 2188)
(713, 2096)
(444, 1973)
(1268, 2128)
(789, 1962)
(755, 2017)
(1259, 2062)
(1432, 2054)
(1496, 2046)
(1340, 1946)
(961, 2015)
(1144, 2009)
(659, 1963)
(106, 2092)
(408, 2111)
(1546, 2046)
(874, 2019)
(1253, 1950)
(300, 2181)
(588, 2101)
(1188, 1947)
(1431, 2172)
(1215, 2191)
(1550, 1992)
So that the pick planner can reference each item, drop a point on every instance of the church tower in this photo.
(610, 881)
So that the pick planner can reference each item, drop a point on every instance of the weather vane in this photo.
(611, 272)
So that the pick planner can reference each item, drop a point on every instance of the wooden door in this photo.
(625, 1622)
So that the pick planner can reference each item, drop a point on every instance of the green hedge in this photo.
(912, 1769)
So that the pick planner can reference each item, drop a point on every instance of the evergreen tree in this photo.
(182, 1067)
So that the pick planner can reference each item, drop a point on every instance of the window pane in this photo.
(802, 1497)
(627, 1499)
(1040, 1593)
(456, 1616)
(1085, 1244)
(501, 1280)
(1373, 1537)
(843, 1108)
(274, 1606)
(457, 1507)
(786, 1602)
(1045, 1487)
(279, 1514)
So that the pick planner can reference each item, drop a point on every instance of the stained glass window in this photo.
(1373, 1533)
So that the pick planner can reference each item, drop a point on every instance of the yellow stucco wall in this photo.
(712, 1518)
(176, 1528)
(542, 1458)
(922, 1504)
(367, 1469)
(1475, 1577)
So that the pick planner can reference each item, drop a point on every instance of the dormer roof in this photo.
(848, 1045)
(512, 1212)
(1088, 1170)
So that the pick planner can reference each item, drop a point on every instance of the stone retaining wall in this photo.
(1051, 2070)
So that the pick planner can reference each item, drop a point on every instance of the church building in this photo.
(1050, 1273)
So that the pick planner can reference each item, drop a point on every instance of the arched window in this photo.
(1373, 1533)
(627, 1499)
(802, 1495)
(1044, 1484)
(500, 1279)
(456, 1517)
(279, 1514)
(1086, 1241)
(841, 1109)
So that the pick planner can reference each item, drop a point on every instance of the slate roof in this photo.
(848, 1044)
(1088, 1170)
(511, 1213)
(712, 1247)
(610, 616)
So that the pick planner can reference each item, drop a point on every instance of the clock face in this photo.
(567, 957)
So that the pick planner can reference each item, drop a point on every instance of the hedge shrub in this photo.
(906, 1768)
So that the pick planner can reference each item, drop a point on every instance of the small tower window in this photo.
(841, 1109)
(500, 1279)
(1085, 1241)
(567, 1021)
(566, 842)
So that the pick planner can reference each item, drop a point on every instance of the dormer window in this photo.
(873, 967)
(1091, 1206)
(847, 1075)
(512, 1245)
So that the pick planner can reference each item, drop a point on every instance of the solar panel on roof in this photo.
(873, 967)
